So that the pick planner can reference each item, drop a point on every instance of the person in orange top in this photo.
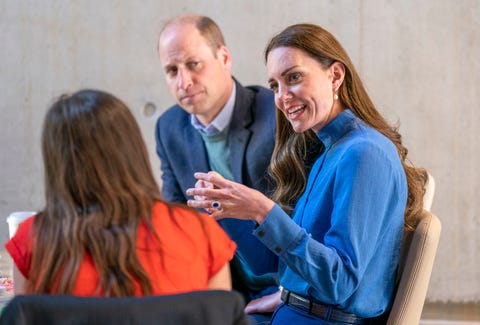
(105, 230)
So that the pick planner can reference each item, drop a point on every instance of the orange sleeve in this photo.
(20, 246)
(192, 242)
(221, 247)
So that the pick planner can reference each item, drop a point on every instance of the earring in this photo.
(335, 96)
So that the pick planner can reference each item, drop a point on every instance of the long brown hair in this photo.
(99, 187)
(287, 166)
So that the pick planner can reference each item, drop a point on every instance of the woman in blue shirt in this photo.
(338, 251)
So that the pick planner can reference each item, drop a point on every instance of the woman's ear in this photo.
(338, 73)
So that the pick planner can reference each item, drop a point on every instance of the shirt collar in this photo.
(336, 128)
(221, 121)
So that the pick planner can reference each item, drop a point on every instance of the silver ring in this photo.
(216, 205)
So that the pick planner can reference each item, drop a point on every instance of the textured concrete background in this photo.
(419, 60)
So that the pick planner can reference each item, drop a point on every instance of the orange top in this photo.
(192, 250)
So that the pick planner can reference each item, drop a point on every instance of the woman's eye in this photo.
(273, 87)
(294, 77)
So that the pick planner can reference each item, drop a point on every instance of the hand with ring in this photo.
(227, 199)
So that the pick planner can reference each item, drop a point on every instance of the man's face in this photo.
(199, 79)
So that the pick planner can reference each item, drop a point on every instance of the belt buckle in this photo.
(302, 299)
(292, 299)
(283, 293)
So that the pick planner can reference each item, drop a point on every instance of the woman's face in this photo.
(304, 89)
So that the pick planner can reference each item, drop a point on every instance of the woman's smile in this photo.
(294, 112)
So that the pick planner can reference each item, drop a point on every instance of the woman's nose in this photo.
(284, 94)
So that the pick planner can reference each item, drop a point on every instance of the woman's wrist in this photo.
(265, 208)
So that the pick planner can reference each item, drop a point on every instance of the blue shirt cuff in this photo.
(278, 231)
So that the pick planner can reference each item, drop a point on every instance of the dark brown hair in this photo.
(99, 188)
(287, 166)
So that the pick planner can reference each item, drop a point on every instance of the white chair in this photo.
(416, 263)
(429, 193)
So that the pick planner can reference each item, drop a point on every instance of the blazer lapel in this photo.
(239, 133)
(238, 142)
(197, 152)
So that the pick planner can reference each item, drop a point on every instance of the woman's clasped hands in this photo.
(222, 198)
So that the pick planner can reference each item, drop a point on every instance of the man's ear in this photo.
(338, 74)
(224, 55)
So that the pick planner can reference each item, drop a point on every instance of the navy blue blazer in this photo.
(251, 140)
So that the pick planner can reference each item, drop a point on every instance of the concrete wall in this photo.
(419, 60)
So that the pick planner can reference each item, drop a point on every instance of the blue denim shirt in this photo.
(342, 244)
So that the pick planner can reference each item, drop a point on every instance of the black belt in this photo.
(325, 312)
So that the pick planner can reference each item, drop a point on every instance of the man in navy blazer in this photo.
(211, 104)
(250, 139)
